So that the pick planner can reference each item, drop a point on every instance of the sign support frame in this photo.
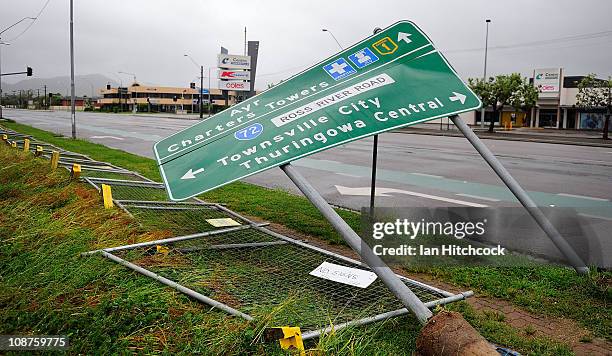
(566, 249)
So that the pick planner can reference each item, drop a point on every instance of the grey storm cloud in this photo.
(149, 37)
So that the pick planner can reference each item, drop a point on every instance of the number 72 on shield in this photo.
(249, 132)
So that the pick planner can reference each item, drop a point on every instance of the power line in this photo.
(586, 36)
(31, 23)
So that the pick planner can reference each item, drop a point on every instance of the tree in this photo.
(596, 94)
(496, 92)
(525, 97)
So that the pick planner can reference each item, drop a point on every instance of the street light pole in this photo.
(484, 75)
(201, 88)
(201, 84)
(1, 44)
(72, 99)
(334, 37)
(209, 102)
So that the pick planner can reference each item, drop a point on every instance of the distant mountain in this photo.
(83, 84)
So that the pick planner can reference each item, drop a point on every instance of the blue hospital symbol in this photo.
(363, 57)
(339, 69)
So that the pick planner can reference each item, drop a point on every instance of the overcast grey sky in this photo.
(149, 37)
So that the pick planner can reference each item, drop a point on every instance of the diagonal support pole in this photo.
(521, 195)
(397, 287)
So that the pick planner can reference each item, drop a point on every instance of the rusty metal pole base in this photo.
(447, 333)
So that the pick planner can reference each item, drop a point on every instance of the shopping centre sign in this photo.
(392, 79)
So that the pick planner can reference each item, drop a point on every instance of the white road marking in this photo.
(385, 192)
(595, 216)
(476, 197)
(582, 197)
(349, 175)
(113, 137)
(426, 175)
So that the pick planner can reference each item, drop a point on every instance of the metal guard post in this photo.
(522, 196)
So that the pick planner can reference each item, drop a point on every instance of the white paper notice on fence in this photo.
(223, 222)
(346, 275)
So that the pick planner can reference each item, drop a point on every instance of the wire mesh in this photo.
(14, 134)
(84, 161)
(111, 174)
(93, 165)
(179, 218)
(68, 155)
(261, 275)
(133, 190)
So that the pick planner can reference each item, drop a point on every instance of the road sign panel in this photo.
(408, 83)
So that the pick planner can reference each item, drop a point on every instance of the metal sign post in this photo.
(395, 285)
(521, 195)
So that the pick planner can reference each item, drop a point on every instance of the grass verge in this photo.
(104, 308)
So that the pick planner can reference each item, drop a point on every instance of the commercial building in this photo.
(556, 106)
(161, 99)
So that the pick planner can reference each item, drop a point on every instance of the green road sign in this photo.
(393, 79)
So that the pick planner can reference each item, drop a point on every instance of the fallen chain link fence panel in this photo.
(246, 270)
(257, 273)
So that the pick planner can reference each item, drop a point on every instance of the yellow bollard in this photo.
(26, 145)
(107, 196)
(39, 151)
(75, 172)
(14, 144)
(5, 137)
(54, 160)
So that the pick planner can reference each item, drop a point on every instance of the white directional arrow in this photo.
(191, 174)
(458, 96)
(384, 192)
(362, 191)
(402, 36)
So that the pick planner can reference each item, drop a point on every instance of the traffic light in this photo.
(192, 85)
(29, 71)
(50, 95)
